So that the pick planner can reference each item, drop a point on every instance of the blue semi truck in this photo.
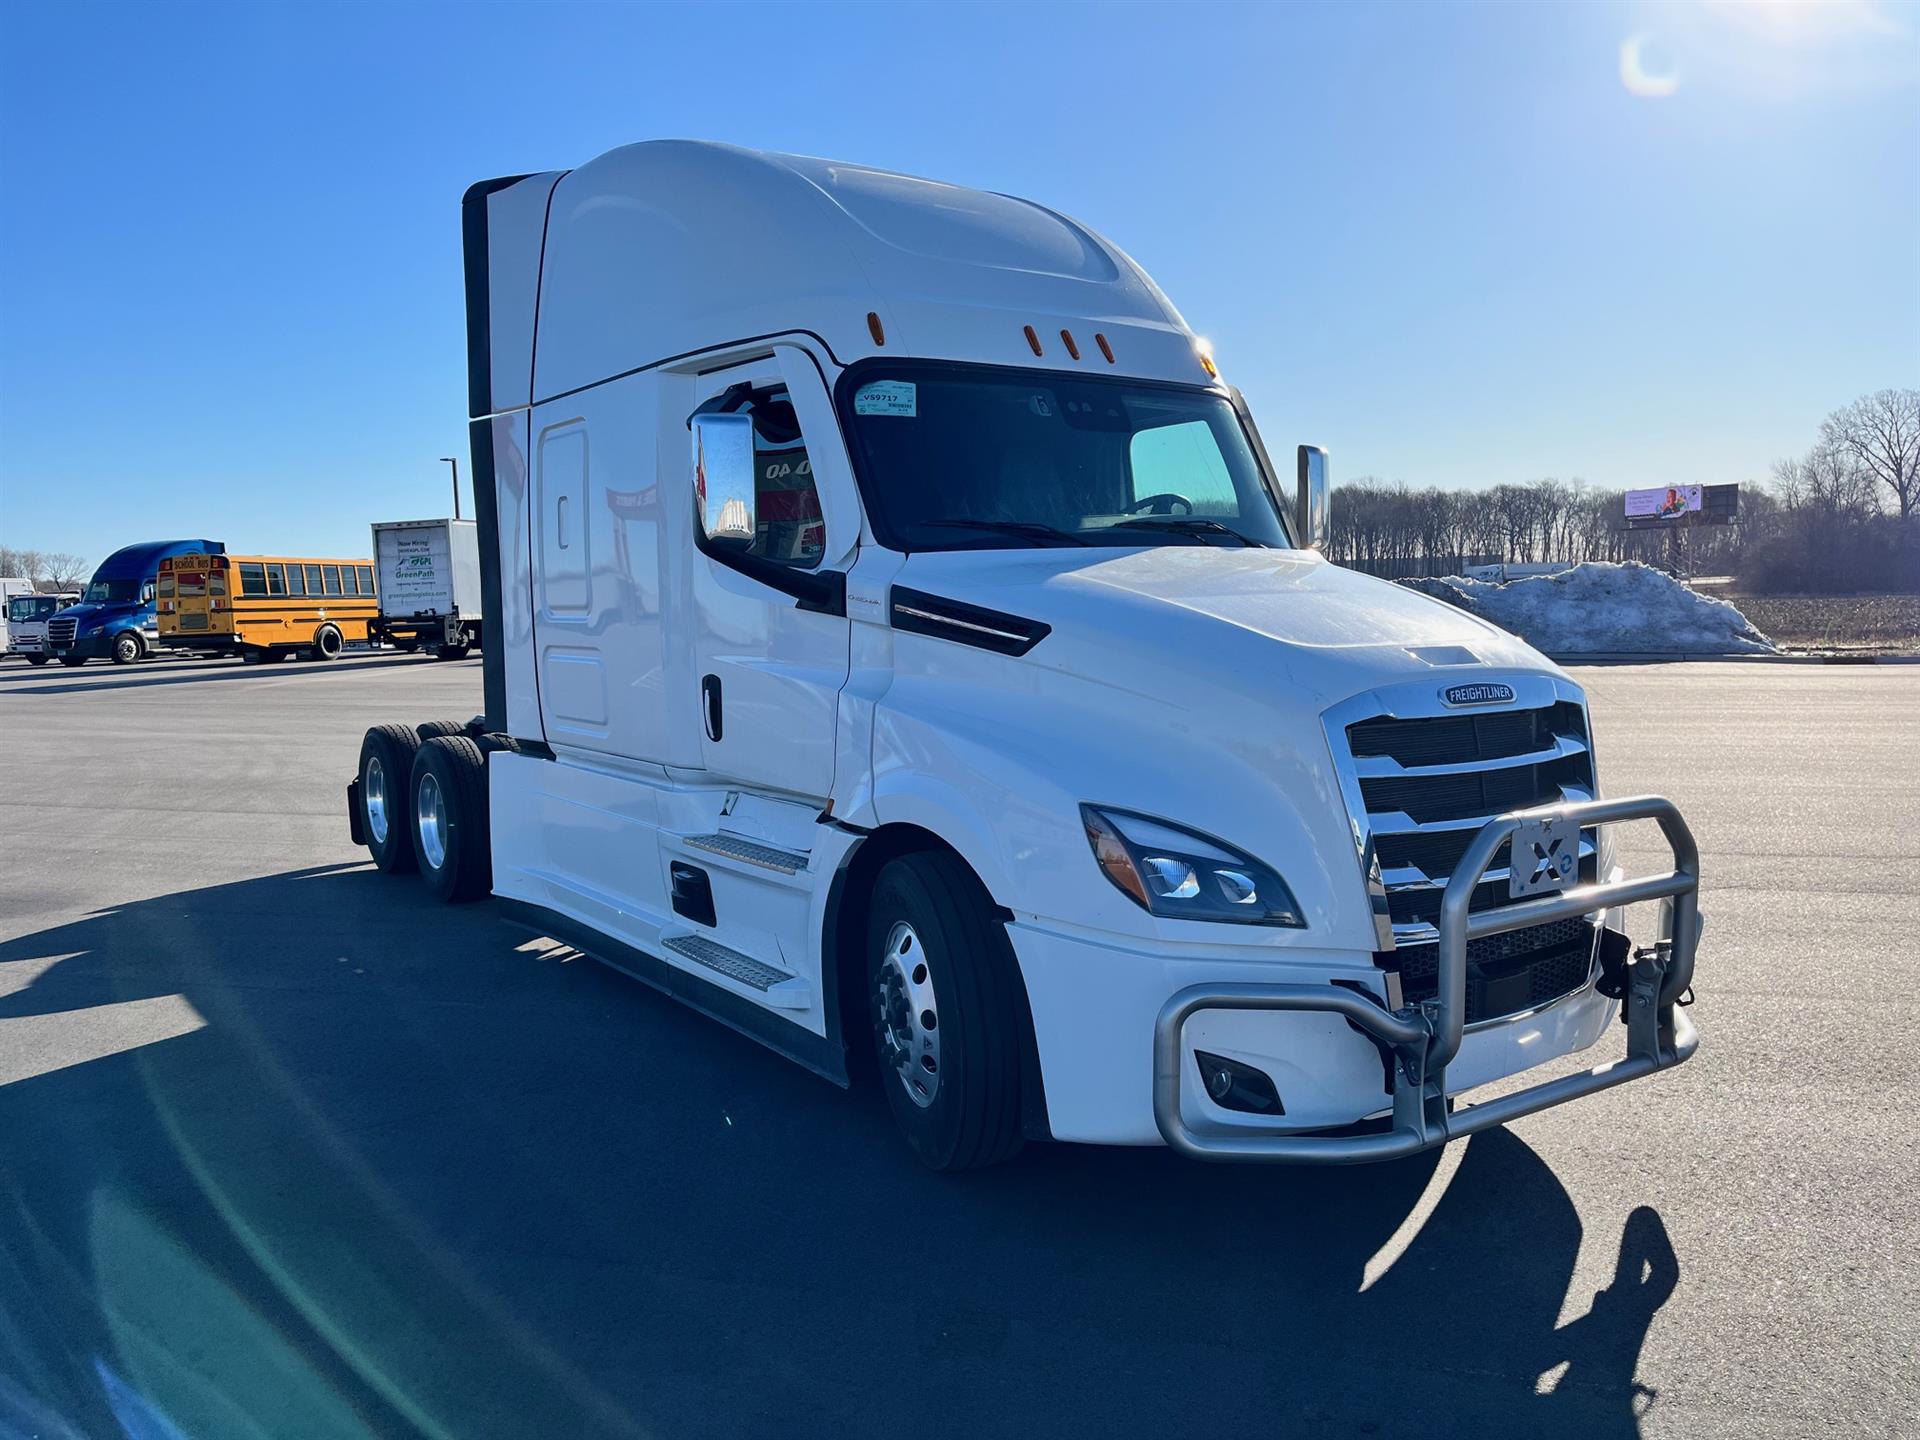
(115, 618)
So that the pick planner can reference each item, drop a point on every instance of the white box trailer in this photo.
(429, 582)
(901, 642)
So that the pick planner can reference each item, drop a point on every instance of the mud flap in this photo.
(354, 827)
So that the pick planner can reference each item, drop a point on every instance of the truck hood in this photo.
(93, 614)
(1141, 618)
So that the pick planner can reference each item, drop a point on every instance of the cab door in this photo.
(770, 632)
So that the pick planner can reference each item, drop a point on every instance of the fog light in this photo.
(1234, 1086)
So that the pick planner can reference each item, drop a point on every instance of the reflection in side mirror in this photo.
(723, 479)
(1312, 515)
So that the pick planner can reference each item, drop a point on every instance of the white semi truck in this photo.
(903, 649)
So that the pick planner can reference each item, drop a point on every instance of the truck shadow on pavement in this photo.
(311, 1155)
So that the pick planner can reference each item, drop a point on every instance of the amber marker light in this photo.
(1066, 337)
(1033, 340)
(1105, 348)
(875, 329)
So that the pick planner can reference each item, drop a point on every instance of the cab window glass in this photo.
(332, 575)
(787, 520)
(166, 585)
(192, 582)
(253, 579)
(313, 580)
(276, 580)
(1182, 460)
(216, 582)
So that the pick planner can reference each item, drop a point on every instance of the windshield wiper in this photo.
(1028, 529)
(1187, 525)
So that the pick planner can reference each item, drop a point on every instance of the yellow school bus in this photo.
(262, 607)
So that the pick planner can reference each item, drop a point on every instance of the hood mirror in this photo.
(723, 488)
(1311, 520)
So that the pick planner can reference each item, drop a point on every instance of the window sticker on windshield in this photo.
(886, 397)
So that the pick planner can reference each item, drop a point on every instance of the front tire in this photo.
(451, 842)
(36, 660)
(947, 1030)
(127, 648)
(73, 662)
(386, 795)
(326, 644)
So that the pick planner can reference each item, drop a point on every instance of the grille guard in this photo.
(1425, 1038)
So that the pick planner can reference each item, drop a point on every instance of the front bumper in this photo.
(1425, 1040)
(93, 645)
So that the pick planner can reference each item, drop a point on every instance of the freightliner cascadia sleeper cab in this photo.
(116, 618)
(901, 645)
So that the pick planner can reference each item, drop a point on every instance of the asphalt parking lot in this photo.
(287, 1149)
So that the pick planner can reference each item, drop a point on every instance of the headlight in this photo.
(1182, 875)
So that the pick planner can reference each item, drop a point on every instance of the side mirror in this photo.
(723, 479)
(1312, 515)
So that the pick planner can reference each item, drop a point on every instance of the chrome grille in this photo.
(1420, 780)
(61, 632)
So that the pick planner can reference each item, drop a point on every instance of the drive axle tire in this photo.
(386, 795)
(947, 1028)
(450, 836)
(434, 729)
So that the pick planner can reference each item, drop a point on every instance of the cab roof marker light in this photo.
(875, 329)
(1205, 352)
(1033, 340)
(1072, 349)
(1105, 348)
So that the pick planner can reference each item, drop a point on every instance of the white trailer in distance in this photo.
(902, 648)
(428, 577)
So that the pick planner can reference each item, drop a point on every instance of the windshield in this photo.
(963, 457)
(26, 607)
(108, 591)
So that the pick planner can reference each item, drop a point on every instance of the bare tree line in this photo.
(1841, 518)
(49, 570)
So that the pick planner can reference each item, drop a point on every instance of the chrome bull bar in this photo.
(1424, 1038)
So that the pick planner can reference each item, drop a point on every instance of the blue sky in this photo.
(1460, 244)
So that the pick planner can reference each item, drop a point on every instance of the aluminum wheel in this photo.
(432, 810)
(373, 792)
(907, 1017)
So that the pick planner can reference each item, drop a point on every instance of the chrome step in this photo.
(789, 992)
(751, 852)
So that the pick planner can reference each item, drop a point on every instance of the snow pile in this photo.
(1601, 608)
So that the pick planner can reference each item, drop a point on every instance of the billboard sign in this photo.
(1671, 502)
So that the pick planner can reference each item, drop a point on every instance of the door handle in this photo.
(560, 521)
(710, 701)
